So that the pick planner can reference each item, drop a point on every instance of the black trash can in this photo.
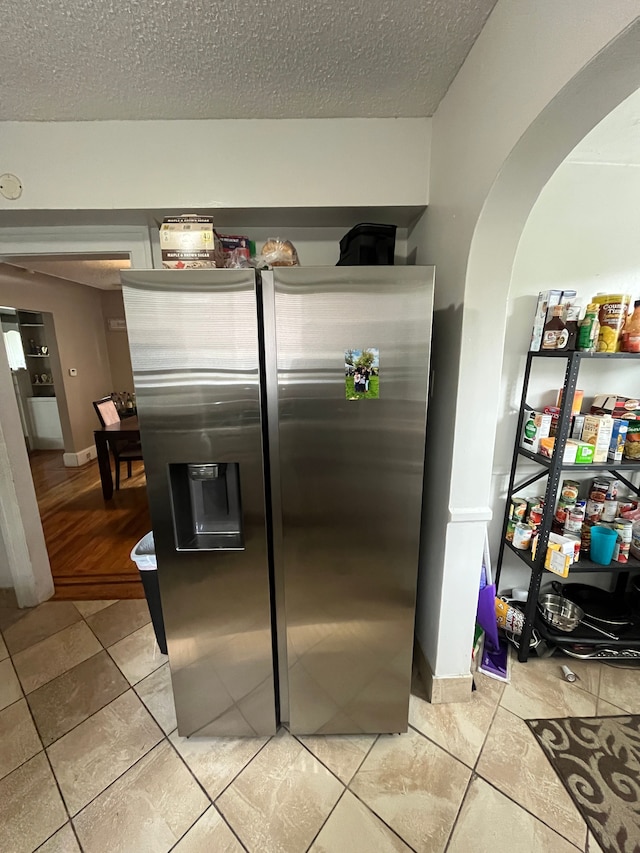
(144, 556)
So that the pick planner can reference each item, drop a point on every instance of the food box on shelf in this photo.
(537, 425)
(576, 403)
(546, 300)
(584, 453)
(632, 444)
(618, 407)
(597, 430)
(547, 446)
(577, 426)
(560, 554)
(618, 438)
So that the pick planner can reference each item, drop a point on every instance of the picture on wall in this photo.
(362, 373)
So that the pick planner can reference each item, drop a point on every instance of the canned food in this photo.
(570, 491)
(508, 617)
(562, 510)
(594, 510)
(522, 536)
(511, 526)
(610, 511)
(612, 491)
(569, 674)
(575, 517)
(518, 509)
(599, 489)
(535, 515)
(623, 543)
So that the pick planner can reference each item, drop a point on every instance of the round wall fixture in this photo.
(10, 186)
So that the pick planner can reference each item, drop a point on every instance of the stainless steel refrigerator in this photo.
(283, 422)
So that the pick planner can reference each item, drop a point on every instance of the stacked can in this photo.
(567, 500)
(517, 515)
(623, 544)
(603, 500)
(535, 508)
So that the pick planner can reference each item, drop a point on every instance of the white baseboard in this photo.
(76, 460)
(441, 691)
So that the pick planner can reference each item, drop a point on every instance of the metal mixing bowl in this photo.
(560, 612)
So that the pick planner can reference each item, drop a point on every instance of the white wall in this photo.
(80, 340)
(209, 164)
(24, 562)
(582, 234)
(512, 114)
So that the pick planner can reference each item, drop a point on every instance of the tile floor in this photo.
(90, 758)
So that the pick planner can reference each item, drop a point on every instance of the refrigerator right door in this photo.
(353, 346)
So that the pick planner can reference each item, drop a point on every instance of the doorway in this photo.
(77, 298)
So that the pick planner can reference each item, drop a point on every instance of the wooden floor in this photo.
(89, 539)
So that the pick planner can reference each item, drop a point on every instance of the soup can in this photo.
(600, 489)
(623, 543)
(518, 509)
(575, 517)
(610, 511)
(534, 517)
(511, 526)
(569, 491)
(594, 510)
(522, 536)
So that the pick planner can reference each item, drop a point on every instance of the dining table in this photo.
(124, 430)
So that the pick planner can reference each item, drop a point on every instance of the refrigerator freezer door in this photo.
(194, 348)
(353, 348)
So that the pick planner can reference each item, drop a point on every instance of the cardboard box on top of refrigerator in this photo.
(627, 408)
(189, 242)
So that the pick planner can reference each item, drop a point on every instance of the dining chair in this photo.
(123, 451)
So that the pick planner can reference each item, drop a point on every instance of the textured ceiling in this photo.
(65, 60)
(103, 273)
(615, 140)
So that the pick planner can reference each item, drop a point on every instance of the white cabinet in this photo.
(45, 422)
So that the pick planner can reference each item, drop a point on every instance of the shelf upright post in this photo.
(553, 483)
(514, 464)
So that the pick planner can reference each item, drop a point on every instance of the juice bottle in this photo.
(555, 334)
(589, 329)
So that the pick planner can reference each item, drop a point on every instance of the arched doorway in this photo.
(472, 235)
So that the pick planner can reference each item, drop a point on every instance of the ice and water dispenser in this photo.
(207, 511)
